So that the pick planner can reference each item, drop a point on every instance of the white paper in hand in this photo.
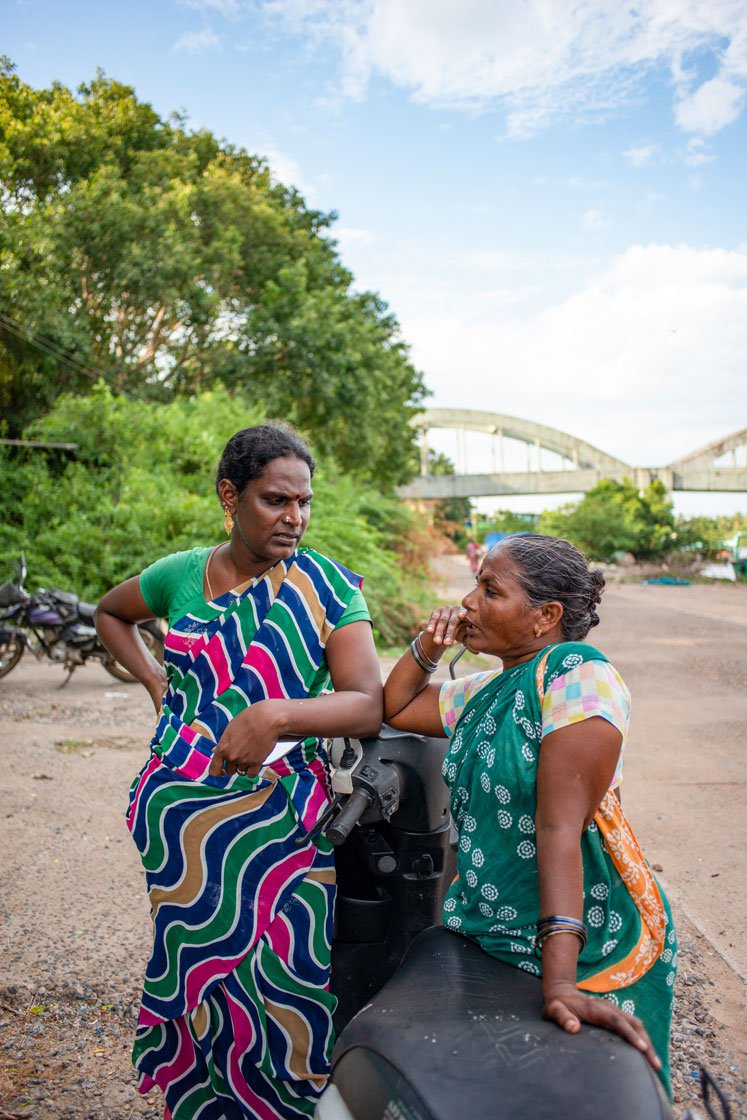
(281, 748)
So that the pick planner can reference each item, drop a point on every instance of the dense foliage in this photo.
(141, 484)
(706, 535)
(169, 261)
(614, 518)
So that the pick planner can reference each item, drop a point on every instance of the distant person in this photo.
(473, 555)
(236, 1010)
(550, 877)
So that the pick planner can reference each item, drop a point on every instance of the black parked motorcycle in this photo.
(430, 1027)
(59, 626)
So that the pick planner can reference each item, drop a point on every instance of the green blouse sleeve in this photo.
(173, 579)
(356, 610)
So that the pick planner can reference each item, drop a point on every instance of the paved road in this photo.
(73, 922)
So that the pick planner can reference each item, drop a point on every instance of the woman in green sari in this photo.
(550, 877)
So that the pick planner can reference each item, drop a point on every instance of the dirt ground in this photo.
(73, 918)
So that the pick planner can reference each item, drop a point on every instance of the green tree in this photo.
(614, 517)
(706, 535)
(168, 262)
(140, 485)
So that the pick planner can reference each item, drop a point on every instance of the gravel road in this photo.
(73, 917)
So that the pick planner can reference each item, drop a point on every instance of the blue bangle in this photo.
(420, 657)
(558, 923)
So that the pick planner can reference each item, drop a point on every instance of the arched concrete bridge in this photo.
(582, 465)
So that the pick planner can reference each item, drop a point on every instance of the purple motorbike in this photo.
(57, 626)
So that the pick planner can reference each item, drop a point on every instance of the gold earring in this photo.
(537, 631)
(227, 521)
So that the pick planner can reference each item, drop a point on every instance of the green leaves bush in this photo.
(142, 484)
(614, 518)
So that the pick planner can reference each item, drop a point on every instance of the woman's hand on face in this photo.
(565, 1005)
(247, 740)
(446, 625)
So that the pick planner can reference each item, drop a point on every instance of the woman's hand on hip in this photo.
(565, 1005)
(157, 686)
(247, 740)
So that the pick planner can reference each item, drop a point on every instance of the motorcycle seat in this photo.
(457, 1033)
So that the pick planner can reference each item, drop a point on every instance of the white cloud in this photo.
(642, 155)
(594, 220)
(540, 62)
(491, 260)
(347, 236)
(226, 8)
(644, 361)
(697, 153)
(284, 168)
(577, 182)
(197, 42)
(710, 107)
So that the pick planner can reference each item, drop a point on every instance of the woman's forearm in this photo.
(336, 713)
(124, 643)
(560, 867)
(250, 736)
(410, 700)
(406, 681)
(575, 768)
(561, 892)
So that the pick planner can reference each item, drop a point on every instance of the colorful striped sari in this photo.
(236, 1013)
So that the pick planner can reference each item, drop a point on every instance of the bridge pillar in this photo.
(646, 475)
(424, 452)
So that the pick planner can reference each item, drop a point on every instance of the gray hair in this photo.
(549, 568)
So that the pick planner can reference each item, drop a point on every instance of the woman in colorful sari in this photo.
(236, 1011)
(550, 878)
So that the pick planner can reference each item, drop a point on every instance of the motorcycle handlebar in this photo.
(353, 809)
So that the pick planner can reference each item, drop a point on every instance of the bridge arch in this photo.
(586, 464)
(577, 451)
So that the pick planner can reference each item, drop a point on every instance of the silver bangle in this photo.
(421, 658)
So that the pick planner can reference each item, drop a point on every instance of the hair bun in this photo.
(596, 586)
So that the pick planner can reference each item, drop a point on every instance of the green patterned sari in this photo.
(496, 722)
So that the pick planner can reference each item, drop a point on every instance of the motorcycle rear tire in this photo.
(153, 643)
(11, 652)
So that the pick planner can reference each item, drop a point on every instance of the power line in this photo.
(48, 347)
(39, 443)
(51, 349)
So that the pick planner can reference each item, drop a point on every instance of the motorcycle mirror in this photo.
(21, 569)
(708, 1086)
(344, 757)
(452, 663)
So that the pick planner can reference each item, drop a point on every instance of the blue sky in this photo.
(550, 196)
